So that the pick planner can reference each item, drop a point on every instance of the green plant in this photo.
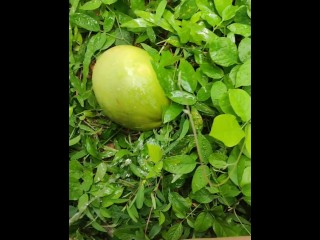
(192, 176)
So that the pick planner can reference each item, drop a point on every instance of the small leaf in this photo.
(84, 21)
(98, 227)
(218, 89)
(223, 52)
(175, 232)
(151, 35)
(187, 79)
(226, 129)
(246, 177)
(154, 151)
(218, 160)
(136, 23)
(160, 10)
(212, 18)
(229, 190)
(167, 59)
(221, 5)
(248, 138)
(108, 2)
(179, 164)
(204, 92)
(240, 101)
(241, 29)
(140, 195)
(133, 213)
(83, 202)
(162, 218)
(229, 12)
(244, 49)
(182, 97)
(203, 222)
(197, 119)
(204, 147)
(74, 140)
(244, 74)
(225, 105)
(200, 178)
(172, 112)
(156, 228)
(202, 107)
(101, 171)
(202, 196)
(233, 74)
(137, 171)
(91, 5)
(211, 70)
(180, 205)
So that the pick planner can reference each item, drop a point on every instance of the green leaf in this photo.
(162, 218)
(74, 140)
(218, 160)
(140, 195)
(204, 92)
(241, 29)
(84, 21)
(175, 232)
(151, 18)
(172, 112)
(180, 205)
(136, 4)
(152, 52)
(91, 147)
(233, 74)
(221, 5)
(151, 34)
(186, 9)
(197, 119)
(244, 74)
(204, 147)
(218, 89)
(226, 129)
(244, 49)
(211, 70)
(212, 18)
(202, 196)
(156, 170)
(225, 105)
(187, 79)
(83, 202)
(123, 37)
(160, 10)
(223, 228)
(167, 59)
(203, 222)
(154, 151)
(229, 190)
(236, 165)
(229, 12)
(240, 101)
(133, 213)
(182, 97)
(248, 138)
(101, 171)
(200, 178)
(108, 2)
(91, 5)
(202, 107)
(154, 230)
(137, 23)
(246, 177)
(185, 129)
(98, 227)
(179, 164)
(224, 52)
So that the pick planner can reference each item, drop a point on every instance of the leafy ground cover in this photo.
(192, 176)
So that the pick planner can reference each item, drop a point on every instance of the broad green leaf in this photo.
(151, 18)
(84, 21)
(200, 178)
(199, 34)
(110, 40)
(133, 213)
(137, 4)
(185, 129)
(241, 29)
(242, 16)
(187, 79)
(202, 107)
(223, 52)
(229, 190)
(180, 205)
(123, 37)
(223, 228)
(243, 77)
(182, 97)
(140, 195)
(229, 12)
(152, 52)
(218, 160)
(226, 129)
(202, 196)
(74, 140)
(225, 105)
(91, 147)
(212, 18)
(197, 119)
(204, 5)
(101, 171)
(83, 202)
(186, 9)
(87, 180)
(172, 112)
(169, 17)
(236, 165)
(203, 222)
(204, 147)
(204, 92)
(211, 70)
(155, 171)
(218, 89)
(162, 218)
(233, 74)
(167, 59)
(166, 80)
(137, 23)
(160, 10)
(179, 164)
(98, 227)
(137, 171)
(248, 138)
(221, 5)
(154, 151)
(174, 232)
(109, 1)
(244, 49)
(240, 101)
(91, 5)
(246, 177)
(156, 228)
